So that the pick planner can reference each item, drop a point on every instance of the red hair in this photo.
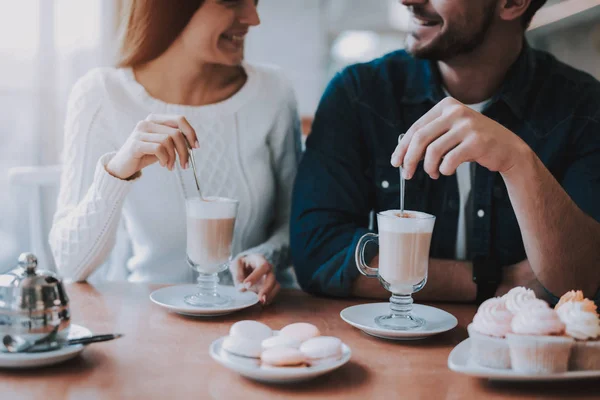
(151, 27)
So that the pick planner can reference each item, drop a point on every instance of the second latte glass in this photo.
(404, 241)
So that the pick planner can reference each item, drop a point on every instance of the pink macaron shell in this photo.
(252, 330)
(283, 357)
(280, 341)
(322, 349)
(300, 330)
(241, 346)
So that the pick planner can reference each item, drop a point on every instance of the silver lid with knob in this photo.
(32, 301)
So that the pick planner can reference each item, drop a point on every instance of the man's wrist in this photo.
(525, 163)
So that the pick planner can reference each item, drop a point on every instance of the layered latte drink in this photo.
(210, 226)
(404, 240)
(404, 250)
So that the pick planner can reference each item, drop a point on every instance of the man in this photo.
(520, 129)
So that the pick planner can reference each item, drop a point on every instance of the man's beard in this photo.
(455, 41)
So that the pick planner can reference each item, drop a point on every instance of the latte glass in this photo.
(210, 227)
(404, 243)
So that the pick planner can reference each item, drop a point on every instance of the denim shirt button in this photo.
(385, 184)
(480, 213)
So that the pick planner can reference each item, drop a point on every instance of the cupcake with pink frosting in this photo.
(538, 344)
(517, 298)
(582, 324)
(488, 331)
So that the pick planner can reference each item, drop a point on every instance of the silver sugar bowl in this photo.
(32, 301)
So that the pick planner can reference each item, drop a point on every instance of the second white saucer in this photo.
(363, 318)
(172, 298)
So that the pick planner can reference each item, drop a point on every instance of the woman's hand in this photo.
(157, 138)
(253, 272)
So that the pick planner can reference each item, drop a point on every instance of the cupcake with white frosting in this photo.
(488, 331)
(572, 295)
(538, 344)
(582, 324)
(517, 298)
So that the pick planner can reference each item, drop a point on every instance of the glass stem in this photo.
(207, 285)
(401, 304)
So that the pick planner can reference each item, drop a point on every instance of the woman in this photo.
(181, 82)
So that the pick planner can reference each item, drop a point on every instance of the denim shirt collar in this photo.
(424, 83)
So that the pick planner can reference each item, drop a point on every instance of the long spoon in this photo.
(402, 183)
(193, 160)
(16, 344)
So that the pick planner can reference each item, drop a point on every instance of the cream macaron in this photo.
(245, 338)
(322, 349)
(301, 331)
(283, 357)
(280, 341)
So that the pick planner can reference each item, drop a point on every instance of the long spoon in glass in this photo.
(402, 183)
(193, 162)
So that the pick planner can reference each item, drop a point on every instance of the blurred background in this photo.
(46, 45)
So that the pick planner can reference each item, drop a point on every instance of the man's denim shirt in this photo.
(345, 172)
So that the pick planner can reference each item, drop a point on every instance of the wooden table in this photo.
(164, 355)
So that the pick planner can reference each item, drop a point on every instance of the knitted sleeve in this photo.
(90, 199)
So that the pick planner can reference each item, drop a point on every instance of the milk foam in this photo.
(211, 208)
(422, 223)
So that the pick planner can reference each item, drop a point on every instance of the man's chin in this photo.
(429, 50)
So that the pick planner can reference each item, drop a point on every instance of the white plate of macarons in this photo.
(296, 353)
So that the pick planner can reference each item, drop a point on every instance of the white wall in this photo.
(293, 35)
(578, 46)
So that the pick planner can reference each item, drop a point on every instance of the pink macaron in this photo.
(322, 350)
(283, 357)
(301, 331)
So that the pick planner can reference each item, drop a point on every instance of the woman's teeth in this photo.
(235, 38)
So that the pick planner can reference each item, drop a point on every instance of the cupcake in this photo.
(488, 330)
(538, 344)
(517, 298)
(582, 324)
(569, 296)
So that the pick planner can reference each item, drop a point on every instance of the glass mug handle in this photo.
(359, 255)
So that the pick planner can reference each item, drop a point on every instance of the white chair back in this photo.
(31, 180)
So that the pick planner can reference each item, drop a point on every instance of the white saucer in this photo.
(459, 361)
(251, 368)
(172, 298)
(363, 318)
(43, 359)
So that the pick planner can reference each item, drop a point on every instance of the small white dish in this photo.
(46, 358)
(172, 298)
(251, 367)
(459, 361)
(363, 317)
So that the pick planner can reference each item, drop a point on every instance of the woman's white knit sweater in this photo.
(249, 150)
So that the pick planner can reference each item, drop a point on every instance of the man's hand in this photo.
(521, 274)
(451, 134)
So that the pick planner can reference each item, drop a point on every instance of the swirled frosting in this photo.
(537, 318)
(517, 298)
(581, 321)
(493, 318)
(569, 296)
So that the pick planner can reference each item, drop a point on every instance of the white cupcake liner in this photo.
(489, 351)
(539, 354)
(585, 356)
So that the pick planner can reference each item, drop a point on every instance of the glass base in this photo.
(401, 317)
(208, 294)
(399, 322)
(207, 300)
